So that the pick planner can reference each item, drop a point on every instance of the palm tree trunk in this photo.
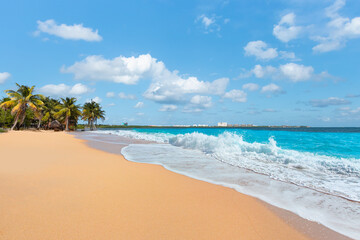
(16, 120)
(39, 124)
(67, 124)
(22, 119)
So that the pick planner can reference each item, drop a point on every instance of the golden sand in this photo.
(53, 186)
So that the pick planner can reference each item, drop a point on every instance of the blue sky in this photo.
(293, 62)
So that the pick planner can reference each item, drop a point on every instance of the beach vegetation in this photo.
(92, 111)
(21, 102)
(22, 109)
(68, 111)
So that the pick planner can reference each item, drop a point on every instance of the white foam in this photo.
(338, 176)
(334, 212)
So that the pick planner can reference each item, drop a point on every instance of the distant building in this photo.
(222, 124)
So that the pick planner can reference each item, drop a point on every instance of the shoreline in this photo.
(58, 187)
(311, 229)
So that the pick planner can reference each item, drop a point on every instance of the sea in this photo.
(312, 172)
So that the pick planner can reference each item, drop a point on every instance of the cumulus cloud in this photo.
(198, 103)
(296, 72)
(4, 76)
(139, 105)
(168, 108)
(286, 30)
(110, 94)
(167, 87)
(338, 30)
(331, 101)
(176, 89)
(72, 32)
(120, 69)
(62, 90)
(236, 95)
(250, 86)
(271, 89)
(291, 71)
(125, 96)
(97, 99)
(260, 50)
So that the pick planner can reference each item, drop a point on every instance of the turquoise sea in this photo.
(313, 172)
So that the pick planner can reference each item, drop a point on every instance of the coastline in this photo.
(56, 186)
(310, 228)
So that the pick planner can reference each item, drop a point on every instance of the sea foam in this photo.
(314, 186)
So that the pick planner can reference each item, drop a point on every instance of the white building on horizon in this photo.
(222, 124)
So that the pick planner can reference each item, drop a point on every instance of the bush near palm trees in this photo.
(6, 119)
(92, 111)
(20, 101)
(49, 111)
(23, 108)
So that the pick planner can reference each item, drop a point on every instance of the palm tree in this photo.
(68, 109)
(48, 110)
(20, 101)
(92, 111)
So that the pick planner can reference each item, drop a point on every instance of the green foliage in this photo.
(23, 109)
(92, 111)
(68, 111)
(20, 102)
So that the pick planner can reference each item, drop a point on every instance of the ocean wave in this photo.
(337, 176)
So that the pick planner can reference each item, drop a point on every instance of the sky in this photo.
(162, 62)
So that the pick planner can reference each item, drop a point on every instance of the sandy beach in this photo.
(54, 186)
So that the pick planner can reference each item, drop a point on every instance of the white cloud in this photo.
(4, 76)
(61, 90)
(331, 101)
(338, 30)
(139, 105)
(290, 71)
(260, 71)
(175, 89)
(271, 88)
(120, 69)
(166, 86)
(286, 30)
(97, 99)
(260, 50)
(73, 32)
(124, 96)
(168, 108)
(206, 21)
(296, 72)
(347, 111)
(250, 86)
(201, 101)
(198, 103)
(288, 55)
(236, 95)
(110, 94)
(209, 23)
